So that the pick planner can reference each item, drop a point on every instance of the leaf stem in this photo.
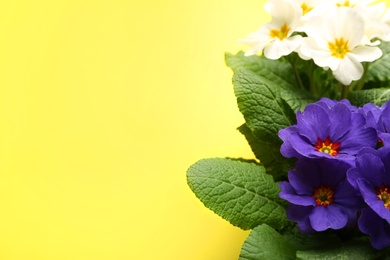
(363, 78)
(344, 91)
(313, 88)
(295, 71)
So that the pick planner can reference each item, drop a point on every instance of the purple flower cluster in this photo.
(342, 171)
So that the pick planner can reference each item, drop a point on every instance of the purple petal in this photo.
(352, 176)
(302, 146)
(378, 229)
(332, 171)
(346, 196)
(385, 156)
(286, 149)
(331, 217)
(300, 215)
(306, 176)
(313, 123)
(340, 121)
(370, 197)
(288, 193)
(371, 168)
(358, 137)
(384, 120)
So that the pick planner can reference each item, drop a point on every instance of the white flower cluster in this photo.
(336, 34)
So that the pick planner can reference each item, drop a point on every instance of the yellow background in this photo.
(103, 107)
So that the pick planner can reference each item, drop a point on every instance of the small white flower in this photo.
(275, 37)
(375, 25)
(335, 41)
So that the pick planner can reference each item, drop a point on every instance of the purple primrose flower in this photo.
(379, 118)
(329, 129)
(320, 196)
(371, 177)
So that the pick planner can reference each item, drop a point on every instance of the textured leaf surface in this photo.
(297, 99)
(268, 154)
(353, 250)
(376, 96)
(240, 192)
(379, 69)
(259, 100)
(277, 71)
(264, 243)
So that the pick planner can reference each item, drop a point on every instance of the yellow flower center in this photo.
(281, 33)
(339, 48)
(323, 196)
(327, 146)
(346, 3)
(383, 194)
(305, 8)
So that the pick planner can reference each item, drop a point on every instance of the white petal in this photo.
(348, 70)
(366, 53)
(284, 11)
(278, 48)
(322, 57)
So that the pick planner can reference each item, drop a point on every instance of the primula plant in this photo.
(314, 90)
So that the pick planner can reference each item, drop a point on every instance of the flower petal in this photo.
(331, 217)
(366, 53)
(378, 229)
(300, 214)
(313, 123)
(348, 70)
(369, 196)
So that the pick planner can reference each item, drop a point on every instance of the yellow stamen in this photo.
(346, 3)
(383, 194)
(339, 48)
(305, 8)
(282, 33)
(323, 196)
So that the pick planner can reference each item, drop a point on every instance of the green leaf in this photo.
(260, 101)
(378, 96)
(277, 71)
(355, 249)
(379, 69)
(266, 243)
(268, 154)
(297, 99)
(239, 192)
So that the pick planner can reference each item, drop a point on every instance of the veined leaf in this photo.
(268, 154)
(259, 100)
(264, 243)
(379, 69)
(377, 96)
(356, 249)
(239, 192)
(277, 71)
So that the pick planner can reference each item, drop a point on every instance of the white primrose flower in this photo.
(335, 41)
(308, 8)
(275, 37)
(378, 22)
(375, 25)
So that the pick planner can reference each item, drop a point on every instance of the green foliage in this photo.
(267, 108)
(269, 93)
(240, 192)
(354, 249)
(264, 243)
(376, 96)
(378, 74)
(259, 100)
(269, 154)
(277, 71)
